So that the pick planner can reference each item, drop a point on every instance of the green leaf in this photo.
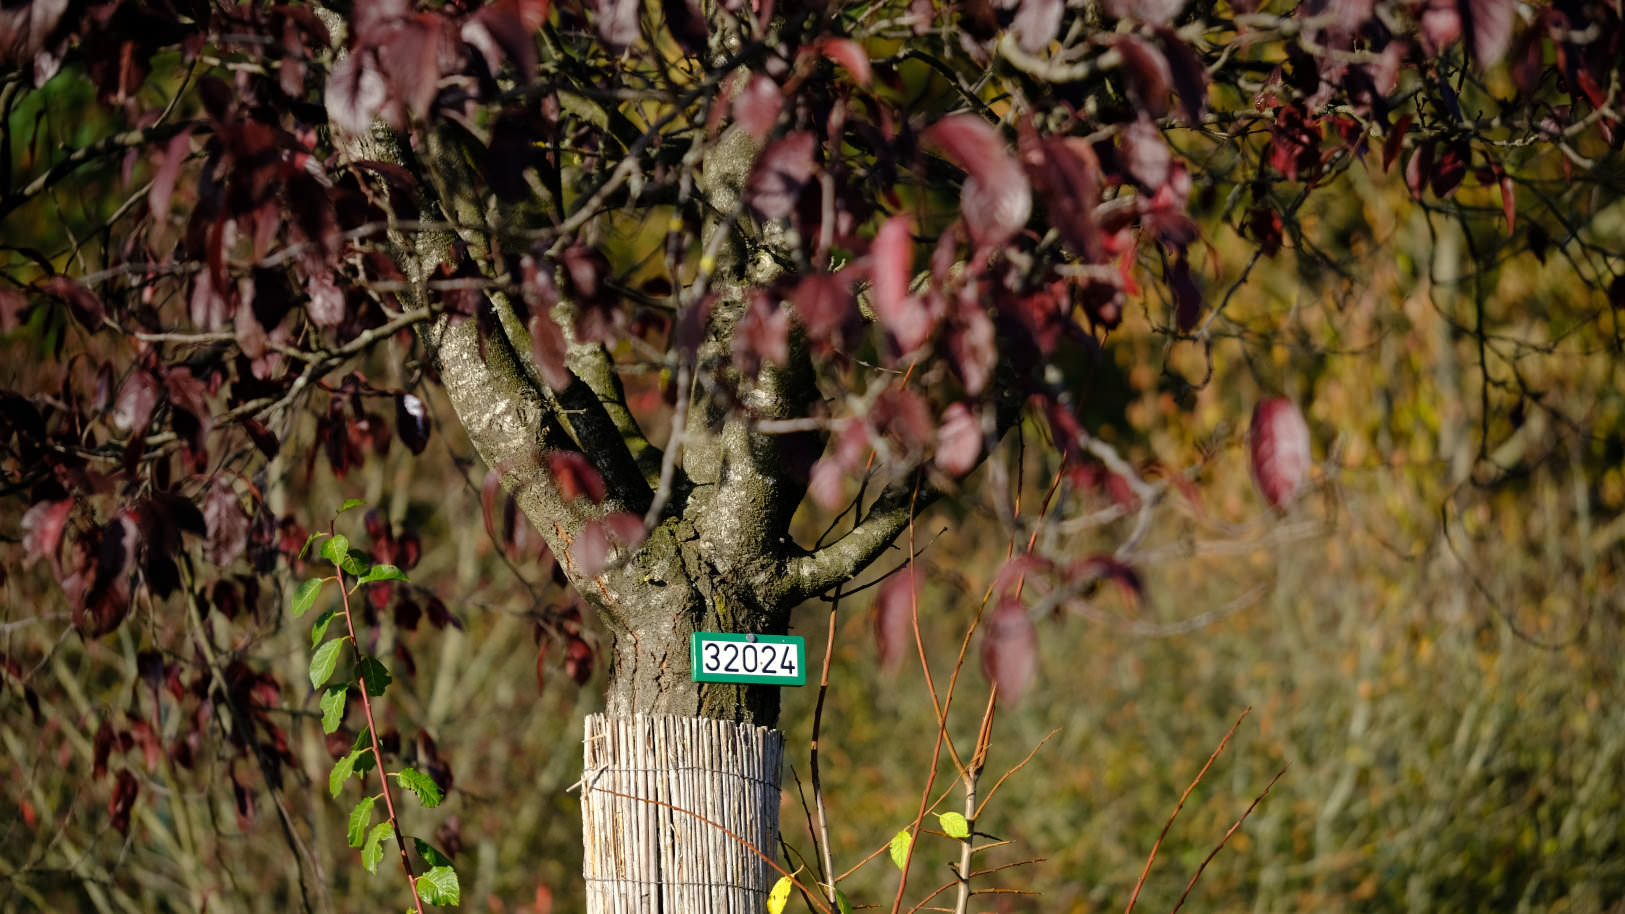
(348, 504)
(342, 769)
(355, 562)
(373, 850)
(780, 896)
(305, 597)
(360, 818)
(375, 675)
(841, 904)
(318, 630)
(336, 549)
(383, 571)
(429, 854)
(442, 887)
(364, 762)
(954, 825)
(333, 708)
(308, 540)
(323, 661)
(899, 847)
(427, 791)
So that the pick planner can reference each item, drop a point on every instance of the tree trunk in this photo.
(677, 814)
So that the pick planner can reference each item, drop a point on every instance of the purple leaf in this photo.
(591, 549)
(1279, 445)
(782, 170)
(1010, 650)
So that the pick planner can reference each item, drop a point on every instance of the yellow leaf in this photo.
(780, 896)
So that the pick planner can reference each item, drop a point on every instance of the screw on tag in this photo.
(751, 637)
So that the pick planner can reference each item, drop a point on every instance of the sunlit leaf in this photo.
(954, 825)
(900, 844)
(323, 661)
(360, 818)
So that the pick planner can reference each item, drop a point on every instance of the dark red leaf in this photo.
(227, 524)
(163, 180)
(617, 22)
(13, 305)
(42, 529)
(1036, 24)
(959, 440)
(763, 336)
(782, 170)
(576, 476)
(1488, 27)
(1146, 72)
(412, 422)
(1419, 169)
(578, 661)
(86, 308)
(1010, 650)
(1395, 141)
(1509, 198)
(591, 549)
(1188, 74)
(1449, 169)
(1265, 227)
(1067, 172)
(890, 264)
(1145, 155)
(356, 92)
(1187, 294)
(326, 304)
(1152, 12)
(824, 301)
(490, 492)
(894, 616)
(973, 349)
(756, 107)
(996, 199)
(849, 54)
(1279, 446)
(125, 789)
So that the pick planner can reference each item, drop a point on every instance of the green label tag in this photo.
(764, 659)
